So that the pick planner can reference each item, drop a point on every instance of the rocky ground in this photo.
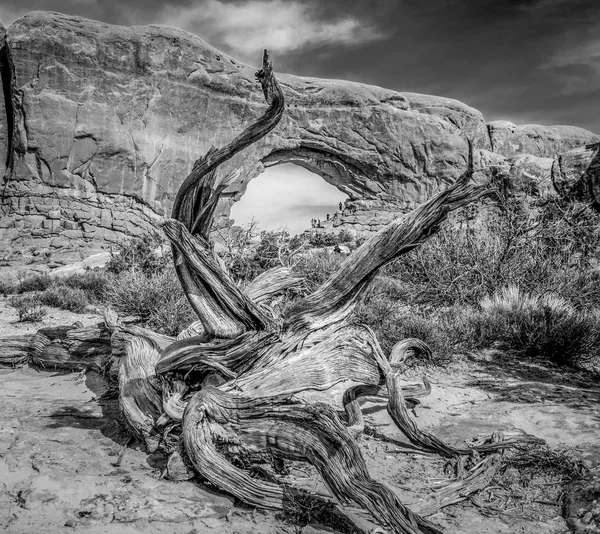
(60, 445)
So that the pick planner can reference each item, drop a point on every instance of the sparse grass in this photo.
(29, 308)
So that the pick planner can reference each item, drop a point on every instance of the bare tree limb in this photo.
(186, 206)
(194, 207)
(336, 298)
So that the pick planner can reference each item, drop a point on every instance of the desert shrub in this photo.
(442, 328)
(276, 248)
(145, 254)
(250, 251)
(467, 260)
(29, 308)
(93, 283)
(144, 284)
(316, 266)
(157, 299)
(8, 287)
(545, 326)
(39, 282)
(392, 322)
(329, 239)
(64, 298)
(173, 317)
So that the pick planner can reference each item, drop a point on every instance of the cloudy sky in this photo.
(294, 196)
(528, 61)
(521, 60)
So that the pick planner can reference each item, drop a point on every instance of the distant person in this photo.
(328, 216)
(319, 223)
(341, 207)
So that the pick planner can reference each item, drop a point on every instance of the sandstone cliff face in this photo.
(509, 139)
(5, 127)
(109, 120)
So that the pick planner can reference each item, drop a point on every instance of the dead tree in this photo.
(244, 386)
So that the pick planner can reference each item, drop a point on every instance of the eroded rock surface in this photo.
(106, 121)
(509, 139)
(576, 173)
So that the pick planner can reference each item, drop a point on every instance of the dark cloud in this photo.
(526, 61)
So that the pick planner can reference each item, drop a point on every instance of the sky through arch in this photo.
(287, 196)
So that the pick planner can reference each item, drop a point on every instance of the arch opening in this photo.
(289, 196)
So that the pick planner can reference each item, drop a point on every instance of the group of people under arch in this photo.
(316, 223)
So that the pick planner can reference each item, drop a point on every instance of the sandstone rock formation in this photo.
(100, 124)
(509, 139)
(576, 173)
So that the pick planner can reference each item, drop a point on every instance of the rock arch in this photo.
(98, 146)
(350, 177)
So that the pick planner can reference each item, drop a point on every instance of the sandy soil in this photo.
(60, 439)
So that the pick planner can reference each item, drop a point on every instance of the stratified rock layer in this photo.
(109, 120)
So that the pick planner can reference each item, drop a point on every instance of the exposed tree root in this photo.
(218, 425)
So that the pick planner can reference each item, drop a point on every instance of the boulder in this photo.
(576, 174)
(531, 175)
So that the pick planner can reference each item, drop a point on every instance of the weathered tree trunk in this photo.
(243, 386)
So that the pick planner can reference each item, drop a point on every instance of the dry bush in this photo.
(29, 308)
(64, 298)
(148, 254)
(250, 251)
(554, 251)
(545, 326)
(38, 282)
(7, 287)
(316, 266)
(142, 283)
(157, 299)
(533, 459)
(93, 282)
(330, 239)
(441, 290)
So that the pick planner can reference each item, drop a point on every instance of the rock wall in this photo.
(100, 124)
